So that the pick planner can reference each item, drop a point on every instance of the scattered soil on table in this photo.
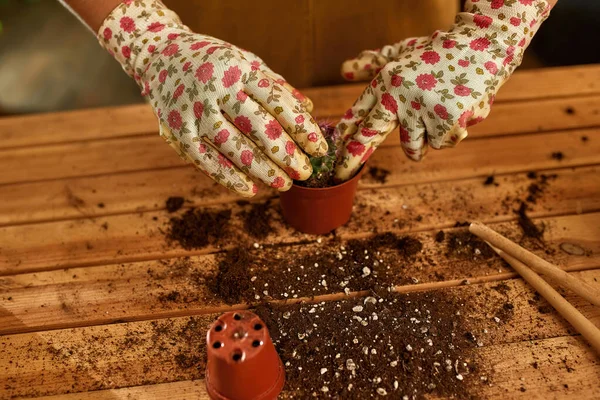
(378, 175)
(536, 189)
(375, 263)
(190, 278)
(257, 220)
(174, 203)
(463, 244)
(416, 345)
(199, 228)
(558, 155)
(440, 236)
(233, 277)
(584, 139)
(251, 275)
(177, 346)
(570, 110)
(529, 228)
(490, 180)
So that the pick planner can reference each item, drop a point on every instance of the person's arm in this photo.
(433, 88)
(91, 12)
(220, 107)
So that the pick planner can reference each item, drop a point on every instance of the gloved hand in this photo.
(434, 87)
(219, 107)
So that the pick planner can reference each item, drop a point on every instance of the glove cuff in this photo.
(502, 28)
(136, 31)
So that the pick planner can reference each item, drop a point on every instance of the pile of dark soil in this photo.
(375, 263)
(463, 244)
(198, 228)
(378, 175)
(258, 218)
(413, 346)
(174, 203)
(529, 228)
(540, 183)
(233, 278)
(490, 180)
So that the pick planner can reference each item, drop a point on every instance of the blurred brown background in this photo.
(50, 62)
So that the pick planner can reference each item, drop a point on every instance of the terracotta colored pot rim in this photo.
(309, 189)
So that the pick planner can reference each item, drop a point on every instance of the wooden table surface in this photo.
(82, 209)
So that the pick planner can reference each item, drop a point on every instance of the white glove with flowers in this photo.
(434, 87)
(219, 106)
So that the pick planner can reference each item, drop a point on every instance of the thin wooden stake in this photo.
(581, 324)
(537, 264)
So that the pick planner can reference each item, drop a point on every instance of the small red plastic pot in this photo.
(319, 210)
(242, 361)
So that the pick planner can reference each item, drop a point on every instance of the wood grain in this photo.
(149, 153)
(85, 269)
(573, 88)
(131, 354)
(140, 291)
(86, 197)
(137, 237)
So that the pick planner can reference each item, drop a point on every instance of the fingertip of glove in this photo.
(347, 70)
(319, 149)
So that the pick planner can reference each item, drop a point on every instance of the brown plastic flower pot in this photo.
(242, 361)
(319, 210)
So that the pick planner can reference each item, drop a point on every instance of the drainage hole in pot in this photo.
(217, 345)
(218, 328)
(257, 327)
(256, 343)
(237, 356)
(237, 317)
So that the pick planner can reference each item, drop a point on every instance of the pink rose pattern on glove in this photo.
(434, 87)
(219, 107)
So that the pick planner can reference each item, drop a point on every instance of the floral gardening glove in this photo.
(219, 107)
(435, 87)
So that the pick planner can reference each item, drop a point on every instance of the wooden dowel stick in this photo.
(581, 324)
(537, 264)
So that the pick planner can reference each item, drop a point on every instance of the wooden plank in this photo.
(533, 84)
(542, 115)
(80, 125)
(550, 379)
(103, 357)
(148, 190)
(183, 390)
(331, 102)
(145, 290)
(552, 82)
(565, 367)
(118, 238)
(111, 194)
(539, 116)
(170, 350)
(144, 153)
(86, 158)
(506, 119)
